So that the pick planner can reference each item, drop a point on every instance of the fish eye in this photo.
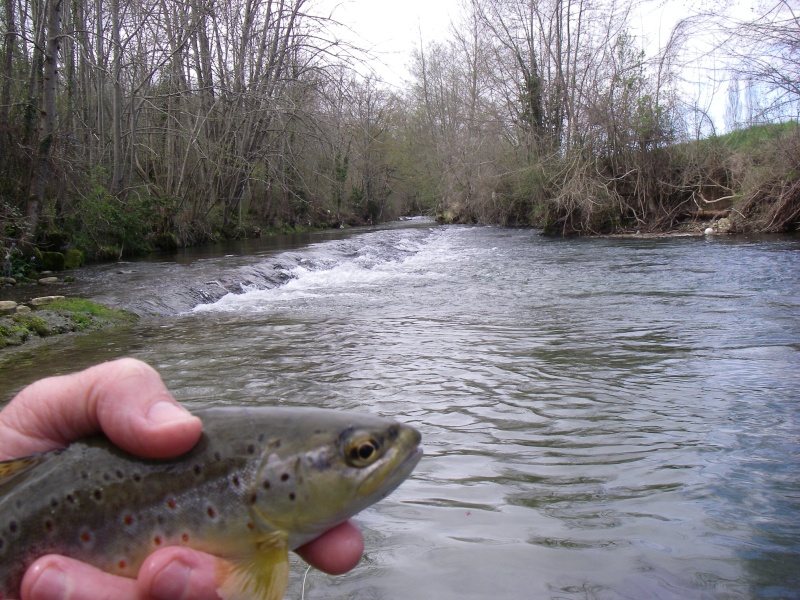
(362, 451)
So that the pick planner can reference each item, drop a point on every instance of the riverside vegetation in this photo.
(64, 315)
(126, 126)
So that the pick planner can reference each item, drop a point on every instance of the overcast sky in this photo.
(392, 28)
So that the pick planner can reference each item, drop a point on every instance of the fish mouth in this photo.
(403, 470)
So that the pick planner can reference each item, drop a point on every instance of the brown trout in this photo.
(260, 482)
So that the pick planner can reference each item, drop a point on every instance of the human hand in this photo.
(128, 402)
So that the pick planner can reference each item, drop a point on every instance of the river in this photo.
(602, 418)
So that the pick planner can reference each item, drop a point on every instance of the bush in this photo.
(102, 226)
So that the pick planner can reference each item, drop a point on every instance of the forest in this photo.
(127, 126)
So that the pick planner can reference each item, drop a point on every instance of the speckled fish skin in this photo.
(261, 481)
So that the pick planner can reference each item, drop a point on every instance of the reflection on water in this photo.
(601, 418)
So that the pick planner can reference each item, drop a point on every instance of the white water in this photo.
(602, 418)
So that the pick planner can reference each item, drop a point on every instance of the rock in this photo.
(41, 301)
(23, 309)
(48, 280)
(724, 225)
(8, 281)
(709, 231)
(53, 261)
(7, 307)
(73, 258)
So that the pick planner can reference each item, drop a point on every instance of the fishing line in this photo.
(303, 591)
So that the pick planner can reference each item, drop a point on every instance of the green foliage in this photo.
(18, 264)
(105, 227)
(62, 316)
(755, 137)
(86, 311)
(32, 323)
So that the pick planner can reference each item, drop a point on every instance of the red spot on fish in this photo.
(185, 538)
(48, 525)
(128, 520)
(122, 564)
(251, 526)
(86, 537)
(157, 540)
(172, 504)
(211, 512)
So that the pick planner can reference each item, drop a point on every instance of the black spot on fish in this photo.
(70, 498)
(54, 502)
(13, 526)
(235, 481)
(120, 474)
(160, 519)
(318, 431)
(285, 477)
(18, 504)
(267, 484)
(49, 526)
(106, 477)
(84, 475)
(137, 477)
(251, 449)
(217, 456)
(253, 498)
(2, 543)
(98, 495)
(292, 496)
(198, 470)
(211, 512)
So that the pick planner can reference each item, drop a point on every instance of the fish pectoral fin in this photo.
(263, 574)
(16, 466)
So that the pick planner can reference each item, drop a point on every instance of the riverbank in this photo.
(47, 316)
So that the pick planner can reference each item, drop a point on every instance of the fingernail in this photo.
(172, 582)
(167, 412)
(50, 584)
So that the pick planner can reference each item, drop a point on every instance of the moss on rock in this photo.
(62, 316)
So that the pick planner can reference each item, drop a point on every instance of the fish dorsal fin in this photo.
(10, 468)
(263, 575)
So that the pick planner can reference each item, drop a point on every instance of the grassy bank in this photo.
(62, 316)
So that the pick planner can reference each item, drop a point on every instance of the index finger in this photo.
(125, 399)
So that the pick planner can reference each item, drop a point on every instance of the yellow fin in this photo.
(9, 468)
(263, 575)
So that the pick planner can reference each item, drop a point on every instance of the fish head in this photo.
(328, 471)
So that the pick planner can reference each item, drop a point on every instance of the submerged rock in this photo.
(7, 307)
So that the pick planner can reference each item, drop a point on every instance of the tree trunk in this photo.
(116, 101)
(8, 71)
(41, 171)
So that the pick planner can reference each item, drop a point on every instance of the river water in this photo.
(602, 418)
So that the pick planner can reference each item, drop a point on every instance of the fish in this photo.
(261, 481)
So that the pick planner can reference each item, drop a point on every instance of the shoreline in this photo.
(48, 316)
